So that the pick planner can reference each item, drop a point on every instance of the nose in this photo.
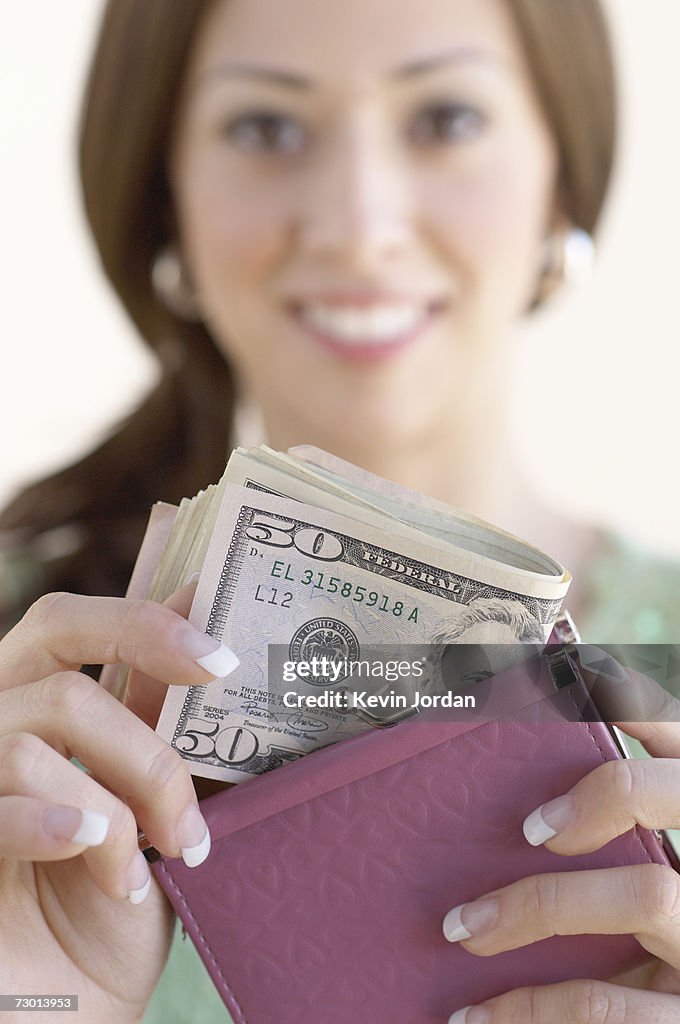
(357, 206)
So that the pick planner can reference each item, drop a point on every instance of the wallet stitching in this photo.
(642, 841)
(204, 942)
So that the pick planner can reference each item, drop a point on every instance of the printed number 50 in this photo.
(201, 738)
(308, 540)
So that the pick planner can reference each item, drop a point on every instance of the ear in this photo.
(171, 285)
(549, 264)
(552, 262)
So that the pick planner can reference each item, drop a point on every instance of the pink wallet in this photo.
(323, 896)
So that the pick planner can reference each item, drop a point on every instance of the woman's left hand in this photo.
(642, 900)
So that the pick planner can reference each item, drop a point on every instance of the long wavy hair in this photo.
(175, 442)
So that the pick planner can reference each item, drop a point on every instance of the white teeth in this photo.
(354, 324)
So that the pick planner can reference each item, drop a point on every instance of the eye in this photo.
(447, 123)
(477, 676)
(264, 131)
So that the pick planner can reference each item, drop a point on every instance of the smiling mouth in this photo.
(365, 329)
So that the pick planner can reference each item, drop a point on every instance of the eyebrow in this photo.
(294, 80)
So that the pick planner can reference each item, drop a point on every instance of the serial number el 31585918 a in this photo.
(331, 585)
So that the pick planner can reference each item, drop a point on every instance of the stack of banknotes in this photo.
(307, 565)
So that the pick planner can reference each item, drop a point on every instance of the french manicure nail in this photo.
(86, 828)
(193, 837)
(220, 662)
(548, 819)
(209, 653)
(138, 878)
(193, 578)
(471, 1015)
(470, 919)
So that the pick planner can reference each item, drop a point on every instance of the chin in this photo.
(357, 433)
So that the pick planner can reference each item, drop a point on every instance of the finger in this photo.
(641, 900)
(660, 739)
(624, 695)
(77, 718)
(64, 631)
(54, 811)
(573, 1002)
(36, 830)
(144, 694)
(607, 802)
(631, 700)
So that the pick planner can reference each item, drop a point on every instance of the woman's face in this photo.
(362, 190)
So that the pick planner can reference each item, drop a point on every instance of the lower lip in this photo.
(368, 351)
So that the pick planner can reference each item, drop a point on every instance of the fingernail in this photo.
(138, 879)
(210, 654)
(470, 919)
(194, 578)
(86, 828)
(601, 663)
(548, 819)
(471, 1015)
(193, 837)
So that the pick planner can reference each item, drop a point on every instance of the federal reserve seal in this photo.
(326, 641)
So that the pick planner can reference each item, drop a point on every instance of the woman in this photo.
(344, 213)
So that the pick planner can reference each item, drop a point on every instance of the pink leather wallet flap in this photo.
(323, 896)
(513, 694)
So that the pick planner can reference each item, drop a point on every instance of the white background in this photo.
(602, 437)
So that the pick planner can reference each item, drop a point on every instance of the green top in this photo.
(631, 597)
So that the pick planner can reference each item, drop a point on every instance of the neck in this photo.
(476, 471)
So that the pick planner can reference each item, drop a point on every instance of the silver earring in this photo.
(578, 256)
(569, 257)
(171, 287)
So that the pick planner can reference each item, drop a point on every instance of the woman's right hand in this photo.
(70, 869)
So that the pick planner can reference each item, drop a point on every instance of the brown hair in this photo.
(176, 442)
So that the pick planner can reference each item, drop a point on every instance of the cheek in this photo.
(492, 222)
(234, 237)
